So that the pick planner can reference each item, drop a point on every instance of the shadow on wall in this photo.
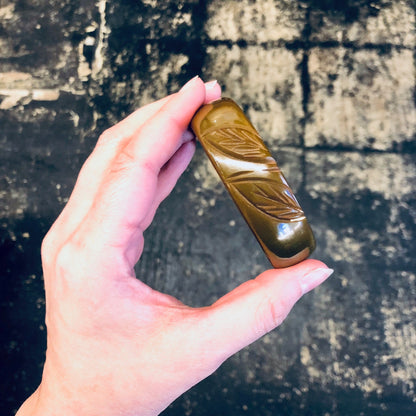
(22, 309)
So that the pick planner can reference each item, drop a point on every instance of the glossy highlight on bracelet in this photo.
(254, 181)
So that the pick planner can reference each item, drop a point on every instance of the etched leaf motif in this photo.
(237, 143)
(270, 197)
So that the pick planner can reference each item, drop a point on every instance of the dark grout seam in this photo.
(403, 149)
(300, 44)
(306, 90)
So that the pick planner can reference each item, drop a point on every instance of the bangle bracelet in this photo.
(254, 181)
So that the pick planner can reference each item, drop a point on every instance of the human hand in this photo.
(115, 346)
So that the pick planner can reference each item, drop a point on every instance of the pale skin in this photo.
(116, 346)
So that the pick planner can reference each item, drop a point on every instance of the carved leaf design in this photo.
(270, 197)
(238, 143)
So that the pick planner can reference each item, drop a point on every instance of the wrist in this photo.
(41, 404)
(30, 406)
(44, 402)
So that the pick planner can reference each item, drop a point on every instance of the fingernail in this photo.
(211, 85)
(190, 83)
(314, 278)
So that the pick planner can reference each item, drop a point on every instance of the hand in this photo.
(115, 346)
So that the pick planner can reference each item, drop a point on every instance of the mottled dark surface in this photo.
(329, 84)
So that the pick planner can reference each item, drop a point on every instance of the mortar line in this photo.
(300, 44)
(305, 86)
(350, 149)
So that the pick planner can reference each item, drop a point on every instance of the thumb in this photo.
(258, 306)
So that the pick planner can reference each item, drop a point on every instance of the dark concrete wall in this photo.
(330, 86)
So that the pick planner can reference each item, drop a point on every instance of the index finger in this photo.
(128, 188)
(100, 161)
(129, 125)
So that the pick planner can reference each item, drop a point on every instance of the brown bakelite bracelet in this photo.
(254, 181)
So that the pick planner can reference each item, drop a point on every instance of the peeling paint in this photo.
(12, 98)
(103, 32)
(45, 95)
(15, 97)
(7, 12)
(15, 78)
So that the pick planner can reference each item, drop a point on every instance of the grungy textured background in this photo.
(330, 86)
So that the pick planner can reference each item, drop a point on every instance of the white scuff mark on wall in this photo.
(6, 12)
(151, 3)
(74, 118)
(13, 78)
(14, 97)
(45, 94)
(14, 86)
(103, 32)
(181, 18)
(17, 88)
(84, 70)
(98, 41)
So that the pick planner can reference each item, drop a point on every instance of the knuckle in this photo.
(49, 246)
(76, 259)
(71, 269)
(271, 317)
(275, 314)
(123, 162)
(274, 309)
(46, 246)
(67, 256)
(108, 135)
(127, 155)
(272, 313)
(176, 122)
